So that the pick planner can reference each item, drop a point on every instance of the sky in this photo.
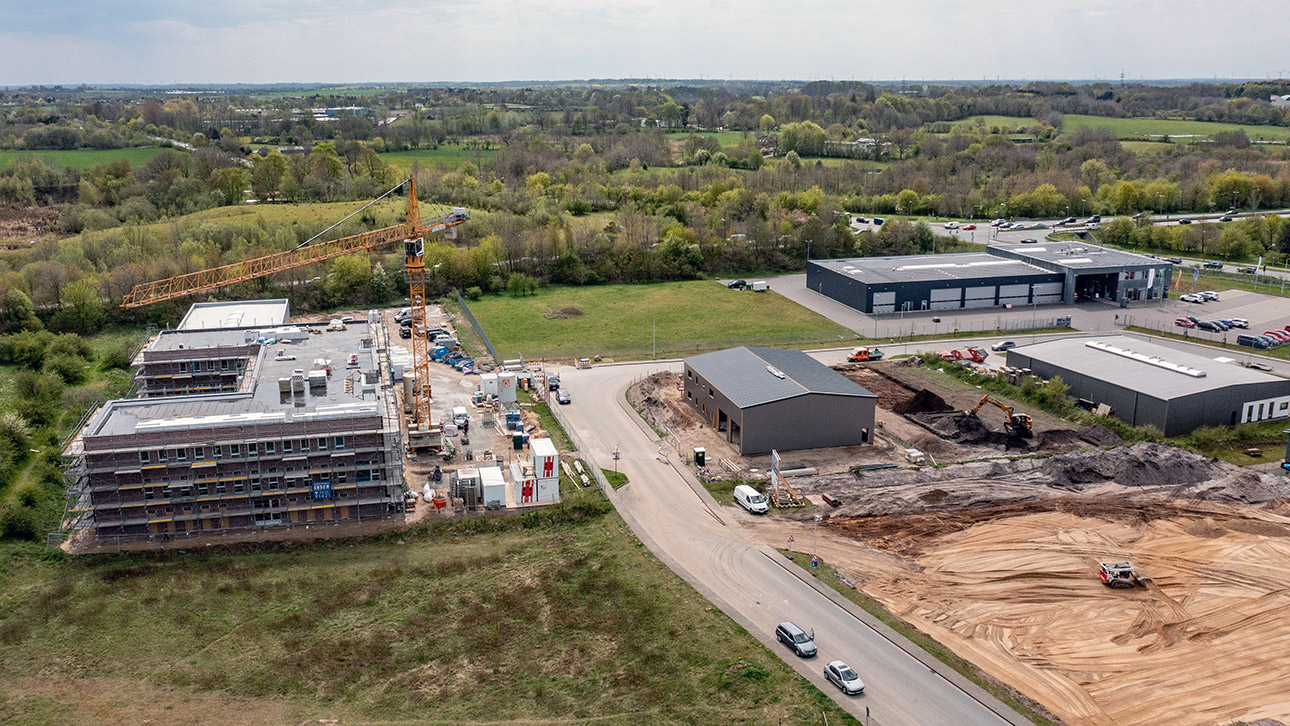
(353, 41)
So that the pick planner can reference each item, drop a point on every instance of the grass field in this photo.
(83, 158)
(452, 156)
(563, 617)
(617, 321)
(725, 138)
(1131, 127)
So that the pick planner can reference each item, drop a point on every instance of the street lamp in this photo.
(815, 535)
(1160, 205)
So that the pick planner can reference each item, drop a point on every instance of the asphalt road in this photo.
(746, 579)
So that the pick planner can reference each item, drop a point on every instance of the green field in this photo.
(1008, 123)
(83, 158)
(452, 156)
(1137, 127)
(617, 321)
(552, 618)
(725, 138)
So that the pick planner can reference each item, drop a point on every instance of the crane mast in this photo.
(411, 232)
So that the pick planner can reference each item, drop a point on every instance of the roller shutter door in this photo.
(884, 309)
(981, 302)
(980, 293)
(945, 304)
(884, 298)
(1016, 302)
(1048, 288)
(1014, 290)
(950, 293)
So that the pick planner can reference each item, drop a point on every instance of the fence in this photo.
(1220, 340)
(479, 329)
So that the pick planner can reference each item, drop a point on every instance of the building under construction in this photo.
(239, 430)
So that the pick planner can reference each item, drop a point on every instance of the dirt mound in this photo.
(563, 313)
(963, 428)
(1099, 435)
(923, 402)
(1057, 439)
(1137, 466)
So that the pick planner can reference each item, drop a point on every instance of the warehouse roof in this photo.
(240, 314)
(753, 376)
(923, 268)
(1149, 368)
(1077, 255)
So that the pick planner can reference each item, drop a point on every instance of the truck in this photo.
(1117, 574)
(971, 353)
(865, 353)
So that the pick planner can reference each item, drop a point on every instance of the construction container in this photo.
(507, 382)
(494, 487)
(488, 384)
(546, 469)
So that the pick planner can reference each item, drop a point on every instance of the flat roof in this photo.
(265, 402)
(927, 268)
(239, 314)
(1140, 365)
(753, 376)
(1079, 255)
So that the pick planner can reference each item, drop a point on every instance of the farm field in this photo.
(1130, 127)
(725, 138)
(617, 321)
(451, 156)
(83, 158)
(564, 612)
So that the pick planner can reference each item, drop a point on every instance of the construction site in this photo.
(1000, 558)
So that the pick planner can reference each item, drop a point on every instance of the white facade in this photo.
(494, 486)
(546, 469)
(1266, 409)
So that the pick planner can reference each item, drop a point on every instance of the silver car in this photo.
(841, 675)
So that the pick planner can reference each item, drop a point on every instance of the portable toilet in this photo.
(488, 384)
(507, 382)
(700, 456)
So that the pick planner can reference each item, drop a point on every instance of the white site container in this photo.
(546, 469)
(488, 384)
(494, 483)
(507, 382)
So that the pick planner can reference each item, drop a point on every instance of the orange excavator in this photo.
(411, 232)
(1016, 423)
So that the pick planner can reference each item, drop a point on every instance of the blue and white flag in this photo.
(1195, 276)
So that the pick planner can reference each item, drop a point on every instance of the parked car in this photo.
(861, 220)
(1192, 298)
(996, 222)
(951, 225)
(1006, 225)
(1213, 265)
(1208, 296)
(405, 332)
(841, 675)
(1184, 221)
(1280, 336)
(562, 396)
(1184, 323)
(1208, 325)
(796, 638)
(1259, 366)
(1003, 345)
(737, 284)
(403, 314)
(1246, 270)
(1253, 341)
(1226, 218)
(877, 221)
(1272, 342)
(1221, 325)
(1029, 241)
(969, 227)
(1240, 323)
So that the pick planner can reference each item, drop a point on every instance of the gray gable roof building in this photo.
(770, 398)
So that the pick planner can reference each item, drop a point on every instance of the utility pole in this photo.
(654, 327)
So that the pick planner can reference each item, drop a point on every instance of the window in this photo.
(188, 507)
(221, 488)
(340, 443)
(234, 449)
(286, 446)
(199, 453)
(203, 490)
(237, 486)
(183, 366)
(270, 448)
(362, 475)
(144, 458)
(376, 475)
(223, 364)
(219, 451)
(255, 485)
(304, 446)
(252, 449)
(181, 454)
(272, 482)
(322, 443)
(239, 364)
(149, 493)
(341, 477)
(161, 455)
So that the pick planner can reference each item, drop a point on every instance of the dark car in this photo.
(1226, 218)
(737, 284)
(1208, 325)
(796, 638)
(1246, 270)
(1029, 241)
(1175, 260)
(1184, 221)
(861, 220)
(1096, 218)
(1068, 220)
(405, 332)
(1212, 265)
(877, 221)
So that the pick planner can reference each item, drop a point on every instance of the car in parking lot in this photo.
(405, 332)
(1280, 336)
(1208, 325)
(877, 221)
(1208, 295)
(1253, 341)
(562, 396)
(969, 227)
(796, 638)
(951, 225)
(737, 284)
(1213, 265)
(1246, 270)
(861, 220)
(1192, 297)
(1223, 325)
(841, 675)
(1184, 323)
(1003, 345)
(1239, 323)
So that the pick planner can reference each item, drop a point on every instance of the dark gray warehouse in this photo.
(769, 398)
(1003, 275)
(1145, 383)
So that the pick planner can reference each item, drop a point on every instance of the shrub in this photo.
(474, 293)
(18, 522)
(71, 369)
(521, 285)
(116, 357)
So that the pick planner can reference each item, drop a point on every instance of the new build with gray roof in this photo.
(769, 398)
(1002, 276)
(1147, 383)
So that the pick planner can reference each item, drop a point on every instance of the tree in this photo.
(347, 281)
(521, 285)
(231, 184)
(266, 175)
(80, 308)
(18, 313)
(766, 124)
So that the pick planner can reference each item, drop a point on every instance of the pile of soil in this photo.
(1099, 435)
(563, 313)
(923, 402)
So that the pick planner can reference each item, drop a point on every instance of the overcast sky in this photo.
(265, 41)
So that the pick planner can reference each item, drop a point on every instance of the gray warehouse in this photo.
(769, 398)
(1145, 383)
(1002, 276)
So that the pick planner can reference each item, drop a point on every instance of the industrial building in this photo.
(769, 398)
(1002, 276)
(242, 428)
(1146, 383)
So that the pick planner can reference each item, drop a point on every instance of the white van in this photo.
(459, 415)
(751, 499)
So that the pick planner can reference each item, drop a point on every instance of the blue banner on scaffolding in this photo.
(322, 489)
